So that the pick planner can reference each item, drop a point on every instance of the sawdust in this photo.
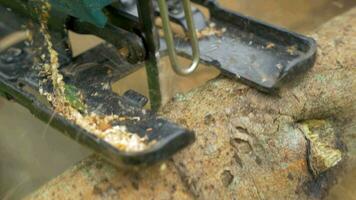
(100, 126)
(211, 30)
(270, 45)
(292, 50)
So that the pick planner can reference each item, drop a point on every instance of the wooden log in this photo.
(249, 145)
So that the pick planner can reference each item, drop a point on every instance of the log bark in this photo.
(249, 145)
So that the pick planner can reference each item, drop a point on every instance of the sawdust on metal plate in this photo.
(117, 136)
(211, 30)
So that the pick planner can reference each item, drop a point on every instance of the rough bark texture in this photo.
(249, 145)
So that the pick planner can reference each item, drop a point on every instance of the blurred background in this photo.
(31, 153)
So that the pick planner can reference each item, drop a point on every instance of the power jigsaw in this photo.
(117, 126)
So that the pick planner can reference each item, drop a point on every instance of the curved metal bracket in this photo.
(168, 36)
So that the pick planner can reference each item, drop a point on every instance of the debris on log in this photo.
(249, 145)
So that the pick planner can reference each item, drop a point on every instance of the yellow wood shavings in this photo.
(211, 30)
(100, 126)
